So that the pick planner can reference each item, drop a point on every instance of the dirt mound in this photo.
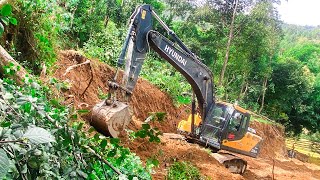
(273, 144)
(172, 150)
(89, 81)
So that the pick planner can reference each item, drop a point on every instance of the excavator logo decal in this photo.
(143, 14)
(175, 55)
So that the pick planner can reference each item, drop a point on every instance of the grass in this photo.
(264, 120)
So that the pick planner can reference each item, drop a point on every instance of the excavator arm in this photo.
(141, 37)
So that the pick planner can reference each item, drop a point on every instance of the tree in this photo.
(228, 43)
(288, 102)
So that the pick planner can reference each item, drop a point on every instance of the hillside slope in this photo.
(89, 80)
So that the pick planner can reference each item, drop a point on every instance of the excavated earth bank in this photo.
(88, 81)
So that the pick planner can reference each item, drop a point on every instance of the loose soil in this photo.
(89, 81)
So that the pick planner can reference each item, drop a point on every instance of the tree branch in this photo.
(91, 78)
(11, 141)
(74, 66)
(102, 159)
(6, 60)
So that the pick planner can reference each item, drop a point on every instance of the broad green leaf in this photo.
(157, 139)
(151, 139)
(4, 163)
(38, 135)
(119, 2)
(1, 28)
(91, 130)
(5, 124)
(6, 10)
(13, 21)
(103, 143)
(96, 136)
(80, 126)
(5, 20)
(112, 153)
(141, 134)
(155, 162)
(114, 140)
(82, 174)
(145, 126)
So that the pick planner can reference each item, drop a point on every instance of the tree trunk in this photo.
(228, 44)
(7, 60)
(263, 93)
(243, 89)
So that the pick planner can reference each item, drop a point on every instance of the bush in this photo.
(168, 79)
(36, 36)
(40, 142)
(105, 45)
(184, 171)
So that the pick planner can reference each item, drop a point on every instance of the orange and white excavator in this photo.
(219, 125)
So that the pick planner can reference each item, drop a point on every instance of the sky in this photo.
(300, 12)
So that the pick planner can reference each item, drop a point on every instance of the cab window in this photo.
(235, 122)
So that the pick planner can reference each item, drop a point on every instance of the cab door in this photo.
(214, 125)
(237, 126)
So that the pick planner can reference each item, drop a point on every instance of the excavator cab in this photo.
(226, 127)
(224, 122)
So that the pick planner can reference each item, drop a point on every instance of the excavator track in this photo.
(233, 163)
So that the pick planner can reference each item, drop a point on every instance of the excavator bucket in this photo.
(110, 118)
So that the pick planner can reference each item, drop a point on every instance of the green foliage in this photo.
(37, 40)
(184, 171)
(4, 161)
(147, 130)
(165, 77)
(315, 137)
(105, 45)
(39, 143)
(156, 116)
(6, 17)
(257, 53)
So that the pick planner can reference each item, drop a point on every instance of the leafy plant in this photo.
(6, 17)
(38, 141)
(183, 171)
(165, 77)
(147, 131)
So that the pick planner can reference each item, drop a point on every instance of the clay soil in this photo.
(89, 81)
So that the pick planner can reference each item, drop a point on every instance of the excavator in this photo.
(219, 125)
